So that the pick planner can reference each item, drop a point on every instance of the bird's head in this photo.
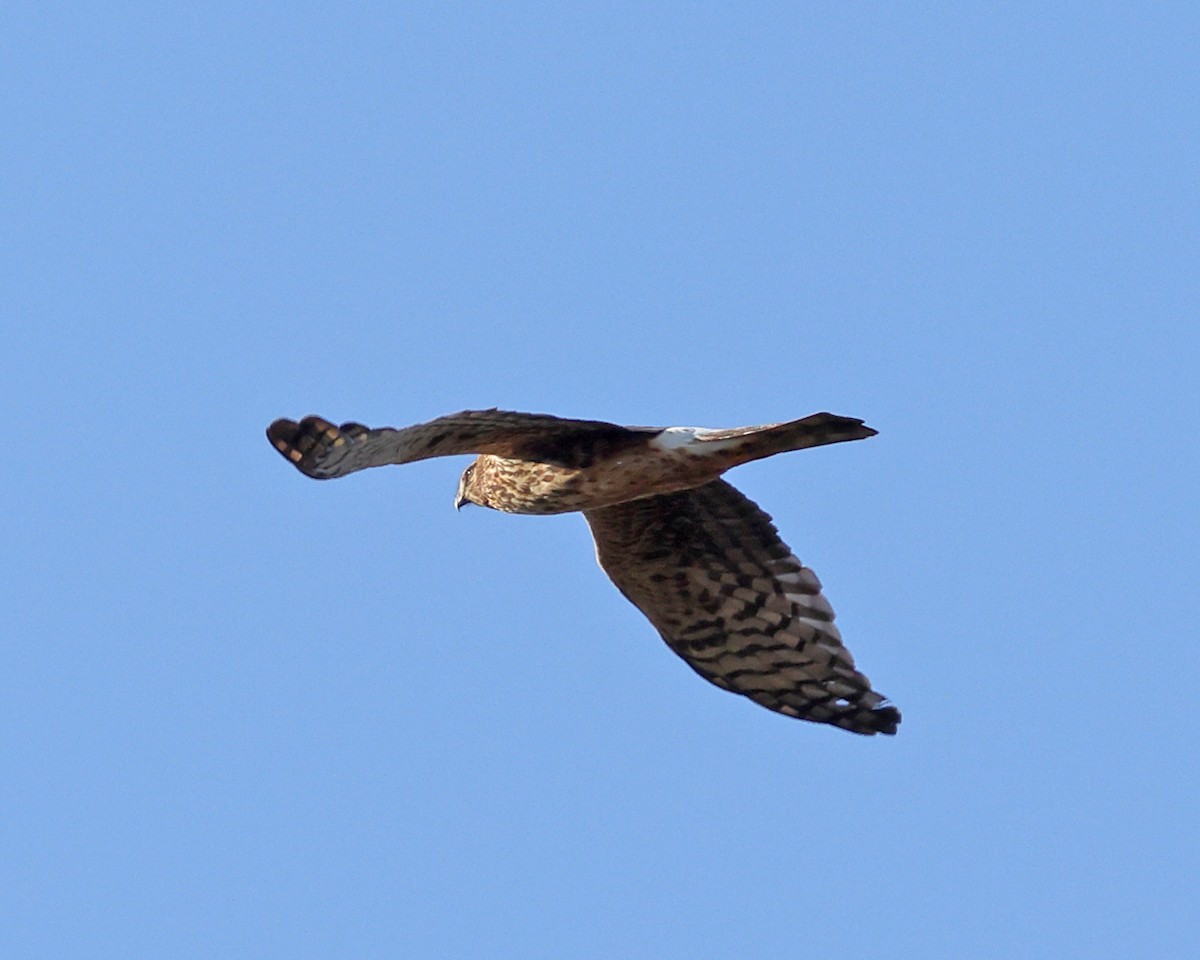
(466, 484)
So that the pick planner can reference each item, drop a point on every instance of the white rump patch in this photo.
(677, 438)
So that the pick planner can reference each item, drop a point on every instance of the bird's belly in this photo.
(542, 488)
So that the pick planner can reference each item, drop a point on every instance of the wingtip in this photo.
(280, 428)
(296, 441)
(882, 719)
(281, 434)
(889, 721)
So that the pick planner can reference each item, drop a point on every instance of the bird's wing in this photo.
(322, 450)
(708, 569)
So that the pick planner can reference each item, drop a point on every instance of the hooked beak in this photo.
(460, 495)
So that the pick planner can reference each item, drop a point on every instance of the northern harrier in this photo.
(699, 559)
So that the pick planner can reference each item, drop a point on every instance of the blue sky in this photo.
(245, 714)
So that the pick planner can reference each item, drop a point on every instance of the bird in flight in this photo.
(699, 559)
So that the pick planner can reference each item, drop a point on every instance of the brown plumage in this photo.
(700, 560)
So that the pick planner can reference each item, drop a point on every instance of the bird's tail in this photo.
(754, 443)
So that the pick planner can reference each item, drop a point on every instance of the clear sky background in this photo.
(249, 715)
